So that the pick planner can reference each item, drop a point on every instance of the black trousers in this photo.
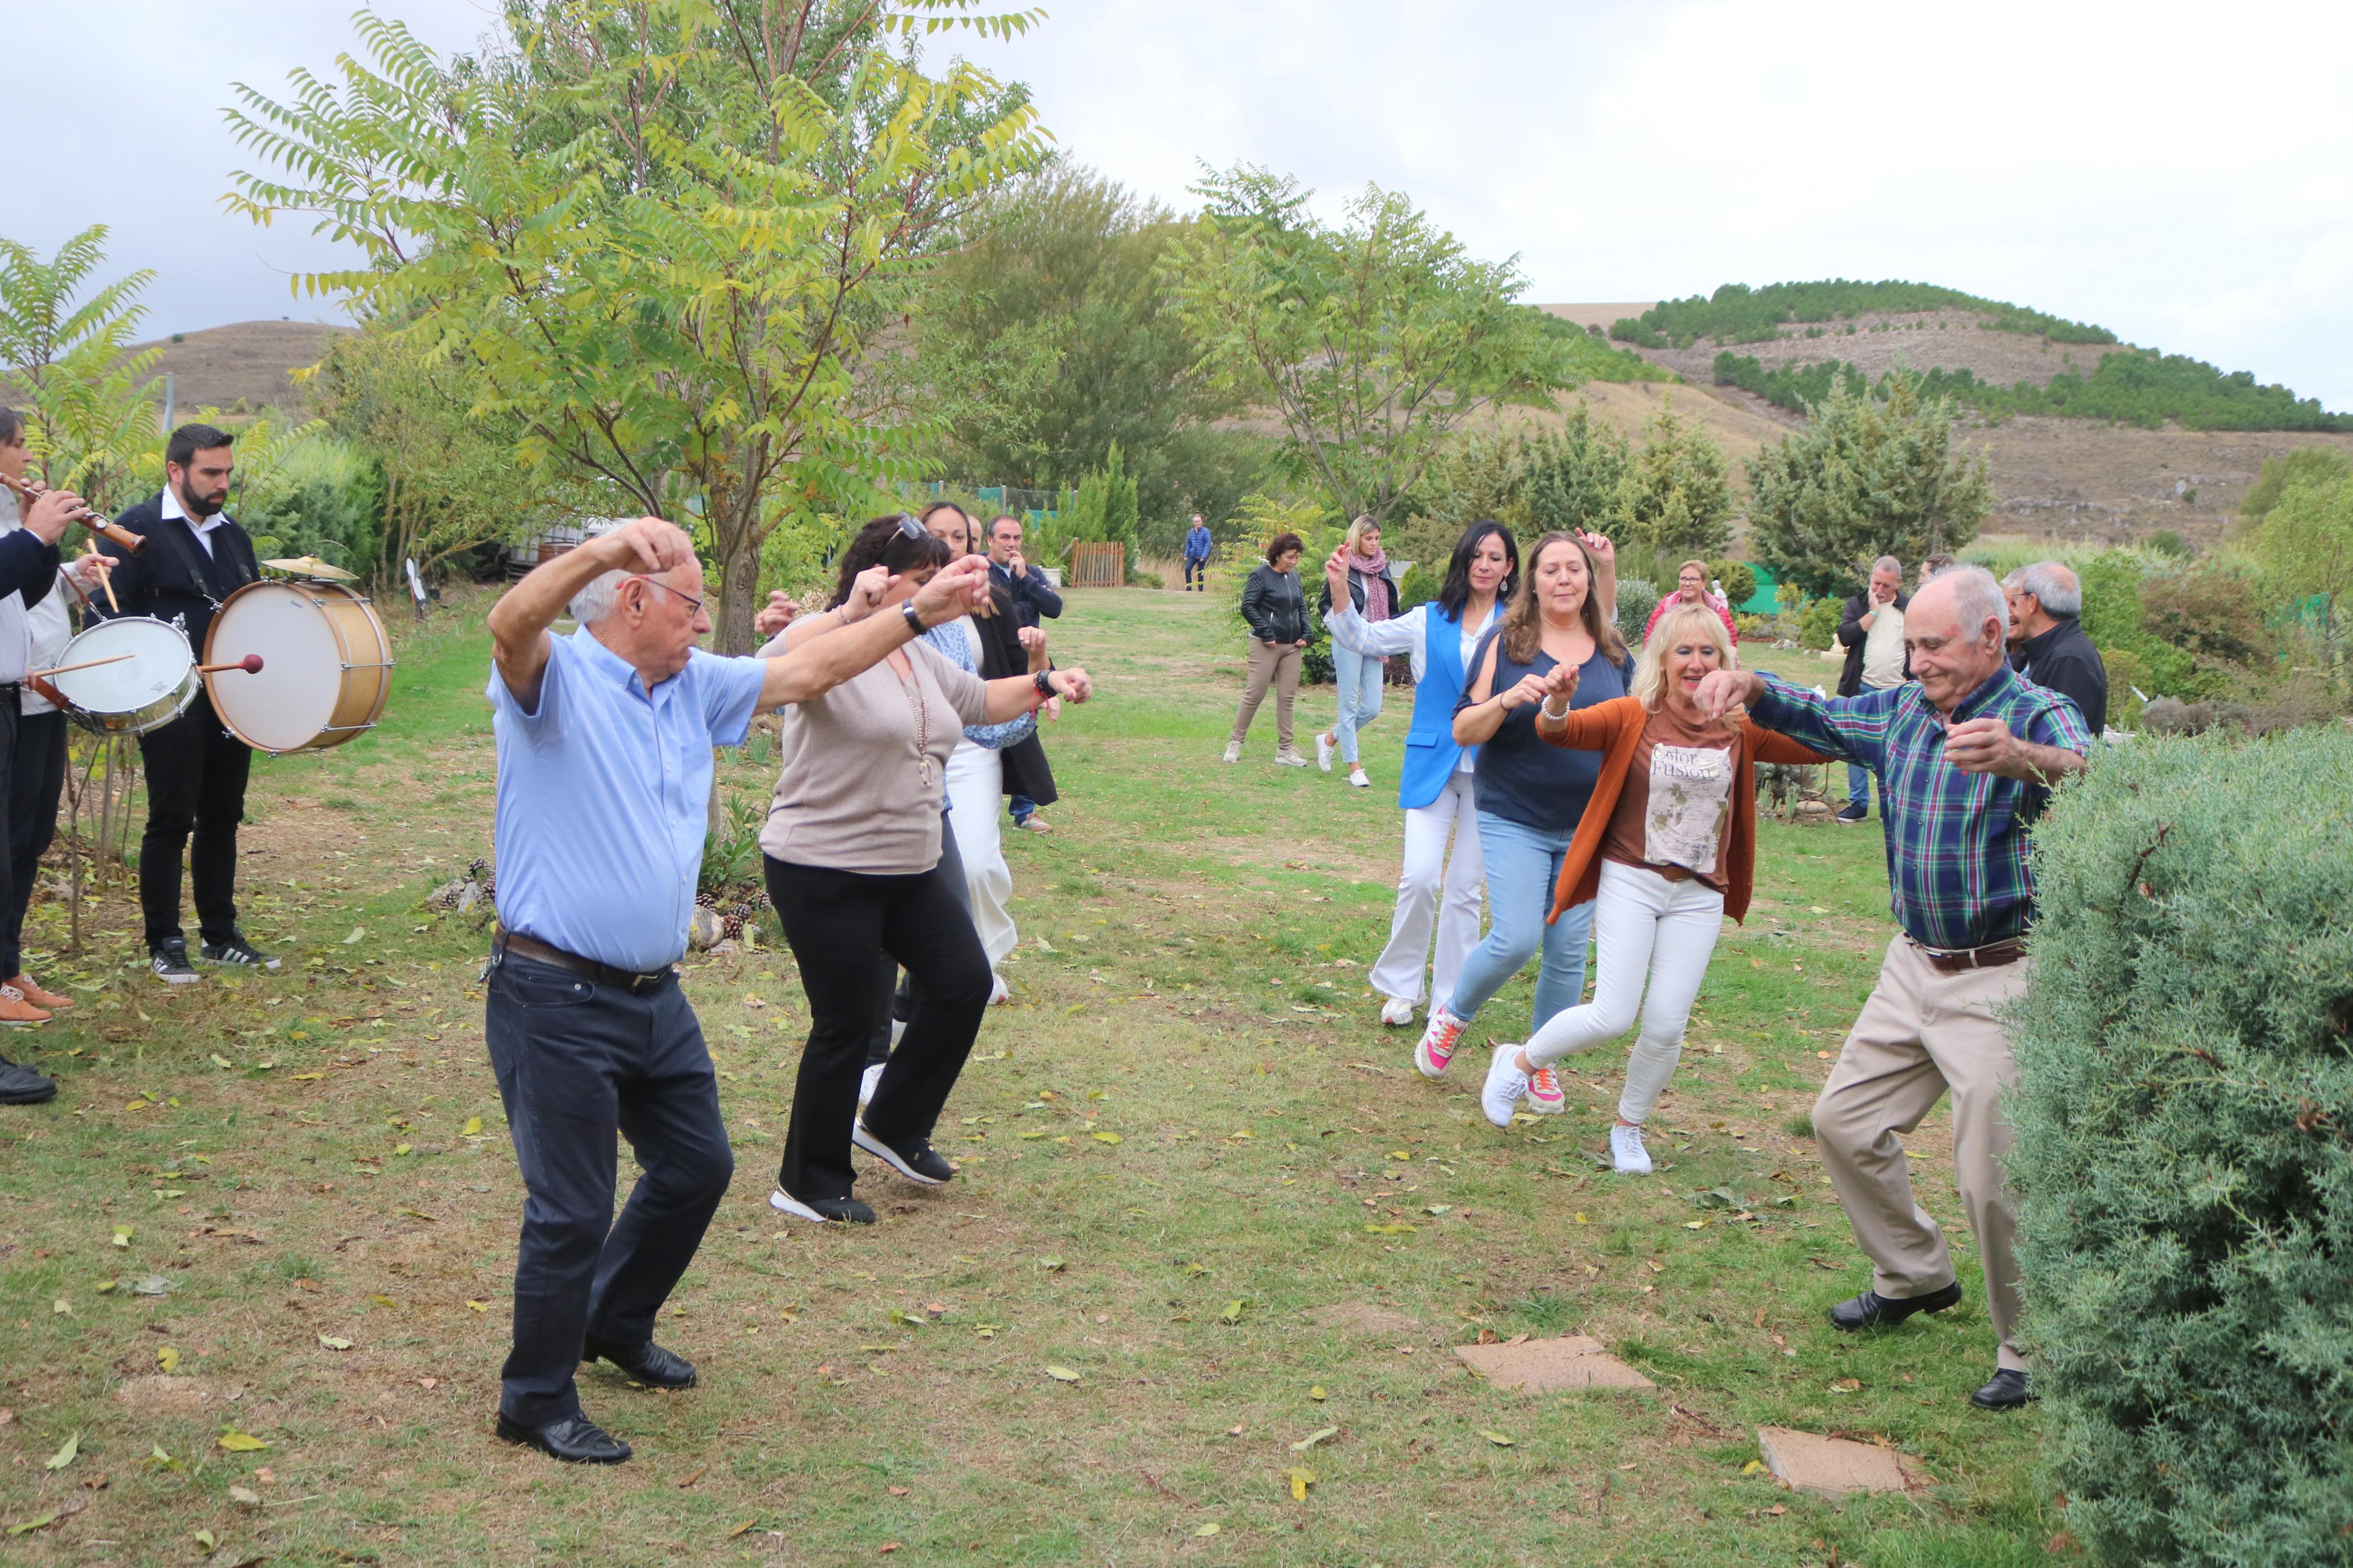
(838, 923)
(577, 1062)
(899, 998)
(195, 784)
(36, 780)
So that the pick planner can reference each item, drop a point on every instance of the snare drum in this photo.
(326, 665)
(128, 696)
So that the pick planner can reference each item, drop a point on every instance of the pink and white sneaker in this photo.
(1544, 1095)
(1437, 1041)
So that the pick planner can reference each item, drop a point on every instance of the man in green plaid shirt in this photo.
(1966, 756)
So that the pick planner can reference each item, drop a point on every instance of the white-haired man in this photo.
(1870, 630)
(604, 742)
(1964, 756)
(2047, 643)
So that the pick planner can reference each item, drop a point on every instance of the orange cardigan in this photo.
(1614, 729)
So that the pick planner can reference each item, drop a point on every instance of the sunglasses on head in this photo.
(911, 528)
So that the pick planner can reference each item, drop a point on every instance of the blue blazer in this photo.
(1430, 753)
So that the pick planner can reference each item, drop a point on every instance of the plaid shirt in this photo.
(1956, 842)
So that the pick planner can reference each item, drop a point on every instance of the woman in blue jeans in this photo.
(1530, 795)
(1373, 594)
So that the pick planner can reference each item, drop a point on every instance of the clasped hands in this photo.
(1553, 690)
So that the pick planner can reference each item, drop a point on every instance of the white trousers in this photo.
(1433, 887)
(1647, 931)
(976, 781)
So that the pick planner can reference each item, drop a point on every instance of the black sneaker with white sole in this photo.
(236, 953)
(916, 1159)
(846, 1211)
(169, 959)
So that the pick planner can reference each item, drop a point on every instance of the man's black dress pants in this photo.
(195, 785)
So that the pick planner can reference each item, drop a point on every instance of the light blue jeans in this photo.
(1359, 677)
(1522, 866)
(1858, 789)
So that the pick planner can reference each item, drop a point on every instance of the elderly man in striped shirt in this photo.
(1966, 756)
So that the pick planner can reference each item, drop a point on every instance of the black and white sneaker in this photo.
(169, 959)
(918, 1161)
(236, 952)
(847, 1211)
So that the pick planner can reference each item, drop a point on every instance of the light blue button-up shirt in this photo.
(603, 795)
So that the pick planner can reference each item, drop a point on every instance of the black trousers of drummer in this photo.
(196, 770)
(27, 567)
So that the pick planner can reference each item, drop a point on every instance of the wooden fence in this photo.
(1097, 566)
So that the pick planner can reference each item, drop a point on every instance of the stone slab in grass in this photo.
(160, 1394)
(1551, 1366)
(1365, 1318)
(1828, 1467)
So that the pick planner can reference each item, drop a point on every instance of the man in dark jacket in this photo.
(2047, 643)
(1870, 630)
(1028, 779)
(195, 557)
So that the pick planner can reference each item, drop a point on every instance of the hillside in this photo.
(246, 365)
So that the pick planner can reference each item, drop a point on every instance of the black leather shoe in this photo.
(20, 1085)
(2008, 1391)
(916, 1159)
(575, 1440)
(1873, 1310)
(647, 1363)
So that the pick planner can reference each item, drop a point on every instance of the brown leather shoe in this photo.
(39, 997)
(14, 1009)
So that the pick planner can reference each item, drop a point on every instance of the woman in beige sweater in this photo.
(851, 851)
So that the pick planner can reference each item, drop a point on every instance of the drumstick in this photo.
(250, 664)
(106, 579)
(87, 664)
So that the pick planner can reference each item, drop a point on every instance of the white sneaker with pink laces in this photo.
(1437, 1041)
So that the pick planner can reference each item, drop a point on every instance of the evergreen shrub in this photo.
(1636, 599)
(2184, 1157)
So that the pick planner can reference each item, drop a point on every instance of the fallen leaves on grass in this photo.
(168, 1357)
(1300, 1481)
(1061, 1375)
(1314, 1437)
(1234, 1309)
(237, 1442)
(64, 1456)
(334, 1341)
(1499, 1439)
(1203, 1531)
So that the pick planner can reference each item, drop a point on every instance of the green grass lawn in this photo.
(1197, 1175)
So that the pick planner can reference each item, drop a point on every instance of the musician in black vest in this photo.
(195, 557)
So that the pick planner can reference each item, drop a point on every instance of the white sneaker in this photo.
(1397, 1012)
(1544, 1095)
(1233, 752)
(1505, 1084)
(1627, 1151)
(1357, 777)
(866, 1082)
(1288, 758)
(1323, 751)
(998, 992)
(1436, 1048)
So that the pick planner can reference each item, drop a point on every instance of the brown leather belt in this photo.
(1959, 961)
(503, 940)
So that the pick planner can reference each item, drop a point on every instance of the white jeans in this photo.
(1430, 886)
(976, 781)
(1645, 928)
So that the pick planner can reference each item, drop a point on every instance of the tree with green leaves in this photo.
(1872, 474)
(1371, 342)
(666, 236)
(1573, 474)
(2305, 547)
(90, 403)
(1671, 498)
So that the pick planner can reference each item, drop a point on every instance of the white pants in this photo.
(1431, 885)
(1645, 928)
(976, 781)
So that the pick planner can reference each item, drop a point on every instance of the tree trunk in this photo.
(739, 583)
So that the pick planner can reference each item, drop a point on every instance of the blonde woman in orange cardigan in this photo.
(1667, 847)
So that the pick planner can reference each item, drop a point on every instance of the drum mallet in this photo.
(250, 664)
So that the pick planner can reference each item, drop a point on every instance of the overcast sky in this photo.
(2182, 173)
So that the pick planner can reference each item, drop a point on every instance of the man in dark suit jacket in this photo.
(2047, 643)
(195, 557)
(1029, 780)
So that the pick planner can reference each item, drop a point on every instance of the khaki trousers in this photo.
(1920, 1034)
(1277, 666)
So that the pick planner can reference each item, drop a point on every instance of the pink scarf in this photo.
(1376, 587)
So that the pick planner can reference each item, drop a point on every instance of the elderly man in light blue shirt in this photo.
(605, 742)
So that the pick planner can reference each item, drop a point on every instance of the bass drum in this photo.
(148, 679)
(326, 666)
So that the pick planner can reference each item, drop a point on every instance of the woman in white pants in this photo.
(1666, 848)
(1439, 637)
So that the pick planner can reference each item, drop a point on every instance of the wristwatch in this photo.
(914, 621)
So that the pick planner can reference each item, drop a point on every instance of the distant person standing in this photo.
(2047, 642)
(1373, 594)
(1870, 630)
(1690, 588)
(1198, 545)
(1276, 609)
(1929, 566)
(1028, 779)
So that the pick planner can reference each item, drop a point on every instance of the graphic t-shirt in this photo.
(1671, 813)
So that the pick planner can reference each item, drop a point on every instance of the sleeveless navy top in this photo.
(1519, 777)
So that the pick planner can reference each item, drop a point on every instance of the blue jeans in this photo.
(1197, 570)
(1022, 806)
(1522, 866)
(1359, 677)
(1858, 789)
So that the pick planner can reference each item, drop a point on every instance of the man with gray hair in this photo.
(1870, 630)
(1965, 755)
(2047, 643)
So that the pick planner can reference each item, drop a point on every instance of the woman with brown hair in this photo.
(1666, 848)
(1276, 609)
(1529, 795)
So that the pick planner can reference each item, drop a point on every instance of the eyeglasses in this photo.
(911, 528)
(693, 604)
